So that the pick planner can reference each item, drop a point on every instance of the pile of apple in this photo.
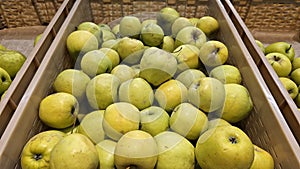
(154, 93)
(282, 57)
(11, 62)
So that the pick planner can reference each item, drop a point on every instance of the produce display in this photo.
(11, 62)
(146, 93)
(286, 63)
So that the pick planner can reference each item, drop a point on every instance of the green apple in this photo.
(148, 21)
(238, 103)
(208, 24)
(3, 94)
(297, 98)
(224, 147)
(165, 18)
(216, 122)
(213, 53)
(207, 93)
(154, 120)
(260, 45)
(72, 81)
(296, 63)
(130, 26)
(128, 150)
(36, 39)
(91, 27)
(129, 46)
(59, 110)
(280, 63)
(136, 91)
(281, 47)
(112, 54)
(81, 41)
(36, 152)
(157, 66)
(11, 61)
(91, 126)
(152, 34)
(112, 43)
(178, 24)
(74, 151)
(106, 149)
(188, 76)
(116, 30)
(226, 74)
(175, 151)
(167, 44)
(187, 57)
(295, 76)
(104, 26)
(170, 94)
(262, 159)
(190, 35)
(194, 21)
(120, 118)
(188, 121)
(123, 72)
(290, 86)
(102, 90)
(95, 62)
(5, 81)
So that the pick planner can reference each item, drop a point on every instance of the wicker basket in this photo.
(265, 126)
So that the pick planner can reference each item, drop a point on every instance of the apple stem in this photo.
(288, 48)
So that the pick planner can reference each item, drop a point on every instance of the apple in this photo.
(281, 47)
(36, 40)
(295, 76)
(128, 151)
(123, 72)
(136, 91)
(104, 26)
(130, 26)
(296, 63)
(165, 18)
(112, 54)
(106, 35)
(127, 47)
(36, 152)
(120, 118)
(213, 53)
(91, 27)
(106, 149)
(193, 20)
(280, 63)
(157, 66)
(170, 94)
(260, 45)
(226, 74)
(59, 110)
(297, 98)
(5, 81)
(112, 43)
(152, 34)
(174, 151)
(224, 147)
(290, 86)
(154, 120)
(148, 21)
(188, 76)
(207, 93)
(238, 103)
(91, 126)
(216, 122)
(208, 24)
(187, 57)
(167, 44)
(178, 24)
(79, 42)
(74, 151)
(72, 81)
(262, 159)
(11, 61)
(102, 90)
(188, 121)
(190, 35)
